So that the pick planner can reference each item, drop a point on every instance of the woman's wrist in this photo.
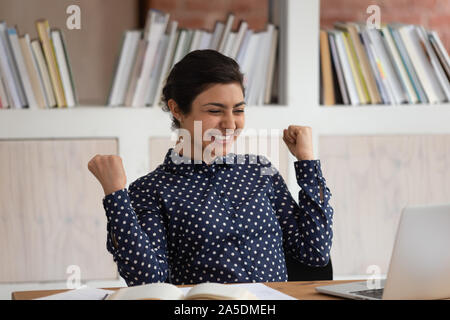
(110, 190)
(306, 156)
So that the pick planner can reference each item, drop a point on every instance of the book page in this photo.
(260, 290)
(152, 291)
(219, 291)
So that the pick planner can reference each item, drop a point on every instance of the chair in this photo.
(298, 271)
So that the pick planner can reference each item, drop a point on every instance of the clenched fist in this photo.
(109, 172)
(299, 142)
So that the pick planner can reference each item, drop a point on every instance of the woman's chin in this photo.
(218, 150)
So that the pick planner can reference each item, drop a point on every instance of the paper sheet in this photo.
(84, 293)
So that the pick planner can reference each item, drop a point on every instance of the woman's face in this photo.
(219, 110)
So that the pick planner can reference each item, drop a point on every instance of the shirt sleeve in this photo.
(306, 226)
(137, 235)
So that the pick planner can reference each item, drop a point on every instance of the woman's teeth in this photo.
(222, 138)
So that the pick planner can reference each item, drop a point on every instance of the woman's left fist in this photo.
(299, 142)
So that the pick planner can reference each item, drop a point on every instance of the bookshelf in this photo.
(299, 104)
(299, 23)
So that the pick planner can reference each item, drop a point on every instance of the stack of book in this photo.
(36, 73)
(396, 64)
(148, 55)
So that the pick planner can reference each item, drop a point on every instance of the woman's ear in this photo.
(174, 109)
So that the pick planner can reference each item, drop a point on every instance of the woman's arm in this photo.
(137, 234)
(136, 231)
(306, 226)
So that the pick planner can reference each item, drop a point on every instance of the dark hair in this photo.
(196, 72)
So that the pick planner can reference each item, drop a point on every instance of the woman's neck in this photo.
(195, 153)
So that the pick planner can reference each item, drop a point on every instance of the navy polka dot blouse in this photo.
(231, 221)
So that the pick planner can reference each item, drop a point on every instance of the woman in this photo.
(206, 214)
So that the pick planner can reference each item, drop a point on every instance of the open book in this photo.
(167, 291)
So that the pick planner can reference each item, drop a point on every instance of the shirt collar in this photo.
(179, 163)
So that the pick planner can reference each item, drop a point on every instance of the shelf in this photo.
(383, 119)
(79, 122)
(103, 121)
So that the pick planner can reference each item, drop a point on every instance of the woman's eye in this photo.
(239, 110)
(214, 111)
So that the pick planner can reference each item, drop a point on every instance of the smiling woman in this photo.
(214, 216)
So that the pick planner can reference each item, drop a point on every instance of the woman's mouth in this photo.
(222, 139)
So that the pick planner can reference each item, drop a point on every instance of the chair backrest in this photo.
(298, 271)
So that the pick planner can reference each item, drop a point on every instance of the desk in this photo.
(297, 289)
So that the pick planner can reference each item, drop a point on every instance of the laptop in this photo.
(420, 262)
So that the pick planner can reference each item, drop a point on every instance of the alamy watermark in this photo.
(74, 278)
(74, 19)
(374, 280)
(216, 145)
(374, 20)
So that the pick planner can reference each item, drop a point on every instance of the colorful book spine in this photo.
(43, 30)
(327, 77)
(23, 72)
(33, 71)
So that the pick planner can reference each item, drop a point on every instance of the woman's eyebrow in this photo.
(222, 105)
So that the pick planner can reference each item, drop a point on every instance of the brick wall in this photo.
(202, 14)
(432, 14)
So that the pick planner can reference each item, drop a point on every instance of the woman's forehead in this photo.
(229, 93)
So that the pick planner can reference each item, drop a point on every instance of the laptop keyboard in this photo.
(374, 293)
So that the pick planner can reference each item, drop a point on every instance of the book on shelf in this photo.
(226, 33)
(326, 73)
(341, 95)
(439, 71)
(271, 67)
(35, 73)
(3, 98)
(10, 73)
(43, 29)
(20, 62)
(440, 51)
(147, 56)
(43, 73)
(162, 75)
(396, 64)
(217, 34)
(354, 63)
(63, 64)
(345, 65)
(124, 67)
(137, 65)
(393, 83)
(421, 63)
(157, 26)
(236, 44)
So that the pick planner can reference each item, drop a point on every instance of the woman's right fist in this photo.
(109, 172)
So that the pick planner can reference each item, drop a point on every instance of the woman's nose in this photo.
(228, 121)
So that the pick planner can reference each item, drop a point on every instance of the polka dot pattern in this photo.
(230, 221)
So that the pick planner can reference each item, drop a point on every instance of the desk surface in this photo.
(297, 289)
